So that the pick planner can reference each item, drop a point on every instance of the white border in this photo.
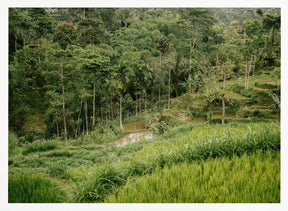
(283, 4)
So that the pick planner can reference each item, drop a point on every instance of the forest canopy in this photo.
(71, 69)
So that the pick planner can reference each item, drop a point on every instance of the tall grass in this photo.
(206, 141)
(57, 169)
(39, 146)
(98, 184)
(97, 171)
(34, 189)
(246, 179)
(203, 142)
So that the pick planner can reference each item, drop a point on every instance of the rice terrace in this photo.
(144, 105)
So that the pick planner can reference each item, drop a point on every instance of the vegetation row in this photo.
(253, 178)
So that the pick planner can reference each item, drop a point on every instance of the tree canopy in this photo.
(79, 67)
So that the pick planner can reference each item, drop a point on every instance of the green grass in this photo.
(215, 140)
(57, 169)
(202, 143)
(13, 143)
(253, 178)
(98, 184)
(39, 146)
(96, 171)
(34, 189)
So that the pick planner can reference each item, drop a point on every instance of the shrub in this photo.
(115, 129)
(243, 113)
(264, 98)
(171, 120)
(250, 92)
(12, 142)
(237, 87)
(159, 127)
(209, 117)
(266, 85)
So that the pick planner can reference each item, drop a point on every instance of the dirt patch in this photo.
(34, 123)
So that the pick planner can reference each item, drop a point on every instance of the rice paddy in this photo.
(202, 163)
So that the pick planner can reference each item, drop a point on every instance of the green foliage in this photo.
(263, 97)
(202, 143)
(60, 153)
(171, 120)
(39, 146)
(57, 169)
(96, 171)
(98, 184)
(65, 34)
(243, 112)
(209, 117)
(245, 179)
(78, 57)
(34, 189)
(276, 102)
(74, 72)
(266, 85)
(159, 127)
(250, 92)
(13, 143)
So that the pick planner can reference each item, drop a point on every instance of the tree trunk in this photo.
(246, 70)
(94, 93)
(63, 99)
(248, 73)
(169, 89)
(57, 130)
(152, 93)
(176, 87)
(79, 126)
(106, 113)
(136, 104)
(190, 63)
(189, 85)
(15, 43)
(159, 93)
(83, 123)
(86, 115)
(101, 108)
(223, 109)
(145, 103)
(160, 72)
(112, 113)
(140, 101)
(121, 126)
(254, 61)
(224, 79)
